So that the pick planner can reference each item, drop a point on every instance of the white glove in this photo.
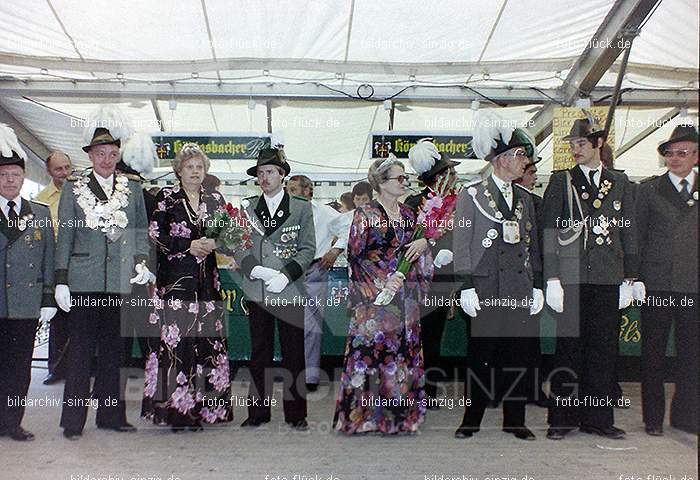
(626, 292)
(555, 295)
(469, 301)
(442, 258)
(62, 296)
(47, 313)
(263, 273)
(639, 291)
(143, 275)
(277, 283)
(537, 301)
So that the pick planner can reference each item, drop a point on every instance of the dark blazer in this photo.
(495, 268)
(602, 247)
(668, 236)
(27, 270)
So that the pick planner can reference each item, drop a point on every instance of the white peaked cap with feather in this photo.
(9, 144)
(139, 153)
(423, 155)
(110, 117)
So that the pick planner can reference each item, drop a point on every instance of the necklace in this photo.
(192, 214)
(393, 215)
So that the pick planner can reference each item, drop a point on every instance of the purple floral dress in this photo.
(382, 384)
(187, 376)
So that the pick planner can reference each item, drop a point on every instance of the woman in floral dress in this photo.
(187, 377)
(382, 384)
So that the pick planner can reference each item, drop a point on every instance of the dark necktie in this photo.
(12, 217)
(591, 178)
(684, 193)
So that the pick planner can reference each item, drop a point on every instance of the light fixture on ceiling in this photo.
(475, 105)
(44, 71)
(251, 104)
(195, 75)
(411, 78)
(486, 76)
(338, 76)
(120, 76)
(387, 104)
(172, 105)
(266, 73)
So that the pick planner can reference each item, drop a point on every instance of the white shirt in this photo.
(596, 176)
(327, 224)
(273, 202)
(676, 180)
(506, 189)
(105, 183)
(6, 209)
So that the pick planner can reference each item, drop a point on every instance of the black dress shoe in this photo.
(20, 435)
(607, 432)
(465, 432)
(300, 425)
(654, 431)
(522, 433)
(72, 434)
(125, 428)
(312, 387)
(52, 379)
(557, 433)
(253, 422)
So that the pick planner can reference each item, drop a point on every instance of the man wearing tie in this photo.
(101, 241)
(667, 217)
(497, 265)
(272, 274)
(590, 249)
(26, 276)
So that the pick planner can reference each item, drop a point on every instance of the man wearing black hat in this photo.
(101, 242)
(667, 217)
(272, 272)
(590, 249)
(432, 165)
(26, 276)
(497, 264)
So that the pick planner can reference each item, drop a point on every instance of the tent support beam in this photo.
(624, 16)
(663, 120)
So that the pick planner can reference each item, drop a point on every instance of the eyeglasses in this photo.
(682, 154)
(400, 178)
(518, 153)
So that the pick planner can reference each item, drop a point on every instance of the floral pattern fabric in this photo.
(382, 384)
(187, 377)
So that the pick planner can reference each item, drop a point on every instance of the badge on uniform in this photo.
(37, 235)
(511, 232)
(617, 205)
(492, 234)
(597, 203)
(486, 243)
(585, 195)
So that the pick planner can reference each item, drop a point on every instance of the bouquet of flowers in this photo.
(230, 228)
(434, 219)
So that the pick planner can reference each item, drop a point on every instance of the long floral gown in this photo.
(187, 376)
(382, 384)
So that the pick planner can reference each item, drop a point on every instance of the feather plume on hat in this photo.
(489, 130)
(423, 155)
(9, 143)
(277, 140)
(111, 118)
(139, 153)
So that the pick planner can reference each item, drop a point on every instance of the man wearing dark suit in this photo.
(497, 265)
(667, 218)
(272, 278)
(432, 166)
(26, 276)
(101, 241)
(590, 249)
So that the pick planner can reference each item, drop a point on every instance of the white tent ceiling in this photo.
(60, 58)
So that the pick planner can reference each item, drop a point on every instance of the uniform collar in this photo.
(273, 201)
(18, 204)
(501, 184)
(586, 171)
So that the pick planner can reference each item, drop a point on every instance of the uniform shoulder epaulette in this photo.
(300, 198)
(43, 204)
(522, 188)
(648, 179)
(472, 183)
(560, 170)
